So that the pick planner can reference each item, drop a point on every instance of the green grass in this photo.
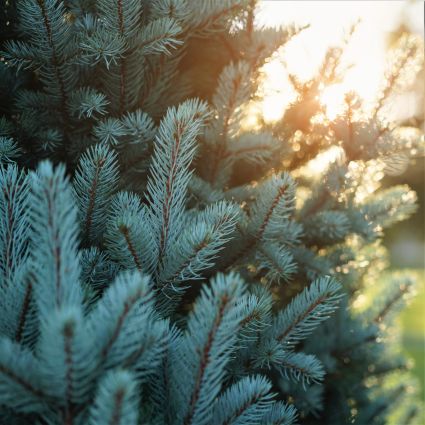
(413, 322)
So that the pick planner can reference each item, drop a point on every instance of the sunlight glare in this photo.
(365, 53)
(322, 161)
(332, 98)
(277, 90)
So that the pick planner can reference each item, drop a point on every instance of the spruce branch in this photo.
(67, 358)
(245, 402)
(159, 36)
(116, 401)
(109, 131)
(206, 348)
(22, 55)
(407, 53)
(175, 147)
(200, 243)
(393, 298)
(233, 89)
(54, 238)
(120, 16)
(116, 320)
(51, 34)
(276, 261)
(95, 181)
(86, 102)
(102, 47)
(214, 14)
(252, 148)
(306, 311)
(127, 237)
(14, 222)
(88, 273)
(25, 311)
(97, 269)
(20, 383)
(389, 206)
(280, 414)
(304, 368)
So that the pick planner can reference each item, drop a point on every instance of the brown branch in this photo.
(244, 407)
(269, 213)
(204, 359)
(56, 249)
(128, 305)
(24, 312)
(255, 315)
(92, 196)
(291, 366)
(22, 382)
(390, 303)
(68, 334)
(8, 243)
(55, 61)
(214, 18)
(168, 194)
(284, 334)
(392, 79)
(197, 249)
(220, 151)
(250, 18)
(125, 232)
(123, 65)
(118, 401)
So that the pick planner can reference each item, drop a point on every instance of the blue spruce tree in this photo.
(159, 263)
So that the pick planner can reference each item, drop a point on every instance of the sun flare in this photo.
(332, 98)
(364, 53)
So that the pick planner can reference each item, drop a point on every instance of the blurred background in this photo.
(379, 26)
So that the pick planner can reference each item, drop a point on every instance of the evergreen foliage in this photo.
(162, 264)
